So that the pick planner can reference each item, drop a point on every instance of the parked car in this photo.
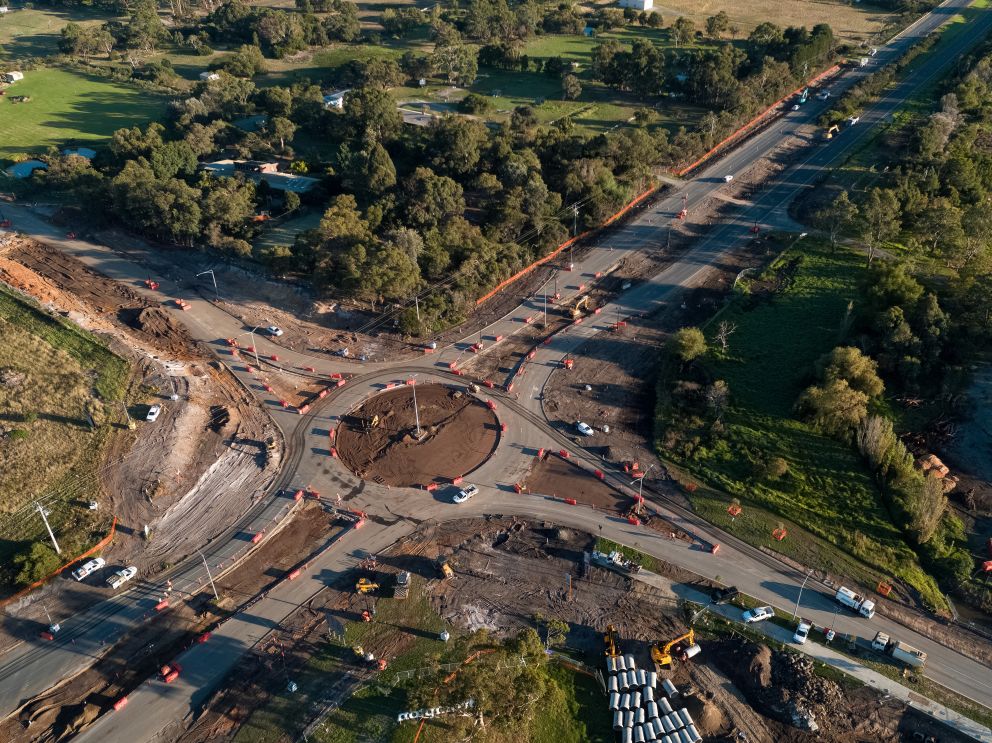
(153, 413)
(795, 106)
(852, 120)
(758, 614)
(465, 493)
(584, 428)
(823, 95)
(274, 330)
(170, 672)
(802, 632)
(122, 576)
(723, 595)
(89, 568)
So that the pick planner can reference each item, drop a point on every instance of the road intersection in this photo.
(154, 708)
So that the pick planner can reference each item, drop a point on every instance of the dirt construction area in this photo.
(507, 572)
(188, 474)
(377, 441)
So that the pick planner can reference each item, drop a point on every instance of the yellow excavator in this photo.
(445, 568)
(364, 585)
(663, 656)
(610, 638)
(829, 133)
(582, 303)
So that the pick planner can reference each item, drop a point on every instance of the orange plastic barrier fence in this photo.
(752, 123)
(557, 251)
(95, 548)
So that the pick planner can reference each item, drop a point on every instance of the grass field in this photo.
(850, 22)
(70, 107)
(827, 491)
(49, 372)
(34, 32)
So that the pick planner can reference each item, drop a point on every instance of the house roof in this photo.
(26, 168)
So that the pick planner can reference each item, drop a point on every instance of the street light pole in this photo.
(209, 576)
(800, 598)
(640, 487)
(254, 348)
(41, 511)
(214, 279)
(416, 413)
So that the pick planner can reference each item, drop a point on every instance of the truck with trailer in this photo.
(855, 602)
(899, 650)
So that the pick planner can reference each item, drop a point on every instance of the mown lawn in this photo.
(68, 106)
(827, 490)
(35, 32)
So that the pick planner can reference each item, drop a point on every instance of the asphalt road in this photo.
(34, 666)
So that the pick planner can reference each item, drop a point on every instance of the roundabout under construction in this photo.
(391, 441)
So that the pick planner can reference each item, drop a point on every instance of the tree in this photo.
(655, 20)
(144, 29)
(370, 115)
(836, 217)
(718, 24)
(172, 159)
(457, 62)
(430, 198)
(570, 88)
(38, 561)
(834, 408)
(683, 31)
(879, 219)
(723, 332)
(247, 61)
(281, 129)
(852, 366)
(688, 344)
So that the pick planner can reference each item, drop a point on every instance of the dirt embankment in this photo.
(378, 442)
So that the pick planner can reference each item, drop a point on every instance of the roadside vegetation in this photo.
(917, 198)
(60, 397)
(764, 408)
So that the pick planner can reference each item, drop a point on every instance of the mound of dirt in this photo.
(157, 325)
(707, 716)
(377, 441)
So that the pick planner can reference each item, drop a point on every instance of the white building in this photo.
(335, 100)
(13, 77)
(208, 76)
(637, 4)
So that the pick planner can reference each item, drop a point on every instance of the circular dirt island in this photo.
(458, 434)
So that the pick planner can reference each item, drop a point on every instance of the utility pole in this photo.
(251, 337)
(416, 303)
(127, 416)
(640, 487)
(41, 511)
(209, 576)
(575, 222)
(214, 278)
(800, 598)
(416, 413)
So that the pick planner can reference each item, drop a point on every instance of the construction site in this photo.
(392, 440)
(364, 648)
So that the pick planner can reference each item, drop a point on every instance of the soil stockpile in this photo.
(459, 434)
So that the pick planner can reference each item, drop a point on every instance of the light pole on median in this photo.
(209, 576)
(800, 597)
(416, 413)
(213, 278)
(640, 486)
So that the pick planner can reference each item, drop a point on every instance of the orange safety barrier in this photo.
(599, 474)
(491, 405)
(557, 251)
(298, 495)
(540, 453)
(752, 123)
(120, 704)
(334, 452)
(303, 410)
(570, 501)
(457, 480)
(274, 357)
(431, 486)
(488, 383)
(340, 383)
(714, 549)
(258, 537)
(322, 394)
(502, 426)
(633, 520)
(563, 454)
(92, 550)
(162, 605)
(293, 575)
